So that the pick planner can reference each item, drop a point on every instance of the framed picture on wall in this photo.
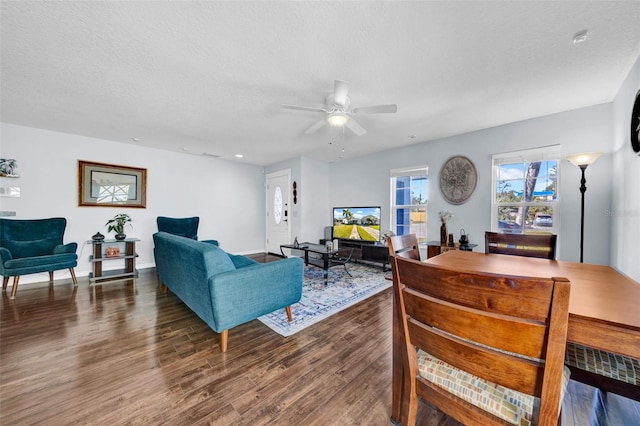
(109, 185)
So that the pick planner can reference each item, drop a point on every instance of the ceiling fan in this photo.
(337, 112)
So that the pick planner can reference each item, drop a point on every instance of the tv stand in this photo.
(365, 251)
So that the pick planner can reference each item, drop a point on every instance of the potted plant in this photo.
(117, 225)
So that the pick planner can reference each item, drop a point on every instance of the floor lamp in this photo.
(583, 161)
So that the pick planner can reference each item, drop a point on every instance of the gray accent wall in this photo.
(587, 129)
(625, 182)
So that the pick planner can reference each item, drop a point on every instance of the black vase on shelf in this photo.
(121, 236)
(443, 234)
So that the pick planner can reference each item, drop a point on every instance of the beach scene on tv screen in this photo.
(356, 223)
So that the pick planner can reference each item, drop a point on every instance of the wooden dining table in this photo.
(604, 306)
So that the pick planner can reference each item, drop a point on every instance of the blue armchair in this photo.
(184, 227)
(32, 246)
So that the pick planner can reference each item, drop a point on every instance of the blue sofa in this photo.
(223, 289)
(30, 246)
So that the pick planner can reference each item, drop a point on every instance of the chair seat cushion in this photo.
(604, 363)
(507, 404)
(32, 265)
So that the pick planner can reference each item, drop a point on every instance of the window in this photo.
(409, 202)
(525, 196)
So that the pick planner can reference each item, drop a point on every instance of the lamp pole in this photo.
(583, 160)
(583, 189)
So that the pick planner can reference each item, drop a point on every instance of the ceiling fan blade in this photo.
(355, 127)
(340, 92)
(316, 127)
(304, 108)
(377, 109)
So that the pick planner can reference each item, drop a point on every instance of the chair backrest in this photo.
(183, 227)
(508, 330)
(31, 237)
(529, 245)
(404, 246)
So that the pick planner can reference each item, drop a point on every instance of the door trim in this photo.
(268, 206)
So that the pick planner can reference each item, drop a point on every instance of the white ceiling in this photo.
(211, 76)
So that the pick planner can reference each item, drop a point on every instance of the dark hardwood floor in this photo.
(126, 353)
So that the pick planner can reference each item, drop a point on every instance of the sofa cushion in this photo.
(219, 260)
(507, 404)
(240, 261)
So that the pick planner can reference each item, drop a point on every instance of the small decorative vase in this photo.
(121, 237)
(443, 234)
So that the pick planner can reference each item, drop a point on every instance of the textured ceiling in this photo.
(211, 76)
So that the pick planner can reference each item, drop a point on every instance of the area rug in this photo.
(319, 301)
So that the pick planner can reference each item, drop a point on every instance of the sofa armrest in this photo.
(66, 248)
(244, 294)
(5, 254)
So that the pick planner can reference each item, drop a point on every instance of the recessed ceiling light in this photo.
(185, 149)
(239, 155)
(580, 36)
(206, 154)
(135, 139)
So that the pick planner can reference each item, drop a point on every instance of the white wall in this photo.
(365, 180)
(313, 192)
(625, 185)
(228, 196)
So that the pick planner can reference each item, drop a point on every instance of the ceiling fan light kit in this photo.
(337, 119)
(337, 110)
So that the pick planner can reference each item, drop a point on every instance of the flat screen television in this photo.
(356, 223)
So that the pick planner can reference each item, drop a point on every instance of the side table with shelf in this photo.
(434, 248)
(129, 256)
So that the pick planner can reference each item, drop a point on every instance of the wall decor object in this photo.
(635, 125)
(295, 192)
(108, 185)
(458, 179)
(8, 168)
(9, 191)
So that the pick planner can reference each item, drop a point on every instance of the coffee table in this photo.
(324, 262)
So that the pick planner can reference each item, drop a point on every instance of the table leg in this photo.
(97, 256)
(325, 268)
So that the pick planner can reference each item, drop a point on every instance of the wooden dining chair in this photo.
(529, 245)
(485, 349)
(404, 246)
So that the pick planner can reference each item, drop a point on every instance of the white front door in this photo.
(278, 229)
